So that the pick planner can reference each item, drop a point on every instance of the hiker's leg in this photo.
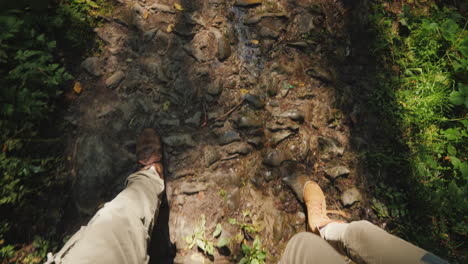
(306, 248)
(364, 242)
(119, 232)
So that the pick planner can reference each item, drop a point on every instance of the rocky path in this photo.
(244, 93)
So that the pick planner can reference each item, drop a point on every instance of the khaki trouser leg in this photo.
(364, 242)
(304, 248)
(119, 232)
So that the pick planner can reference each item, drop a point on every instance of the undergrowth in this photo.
(37, 41)
(422, 95)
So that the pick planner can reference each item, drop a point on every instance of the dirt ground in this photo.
(239, 90)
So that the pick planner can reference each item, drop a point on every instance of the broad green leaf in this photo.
(218, 230)
(232, 221)
(201, 244)
(256, 243)
(464, 47)
(456, 98)
(261, 255)
(223, 241)
(209, 248)
(244, 260)
(246, 249)
(449, 29)
(254, 261)
(451, 150)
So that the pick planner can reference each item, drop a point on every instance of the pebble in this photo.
(350, 196)
(169, 122)
(267, 32)
(253, 19)
(239, 148)
(229, 137)
(246, 3)
(214, 88)
(114, 80)
(192, 187)
(280, 136)
(275, 158)
(179, 140)
(294, 115)
(254, 101)
(248, 122)
(330, 147)
(274, 104)
(91, 65)
(337, 171)
(194, 120)
(162, 8)
(277, 126)
(256, 142)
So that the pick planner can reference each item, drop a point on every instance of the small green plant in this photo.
(253, 254)
(246, 224)
(203, 242)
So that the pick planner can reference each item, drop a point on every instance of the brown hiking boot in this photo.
(149, 150)
(316, 207)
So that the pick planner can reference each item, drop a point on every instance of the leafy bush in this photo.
(423, 101)
(36, 39)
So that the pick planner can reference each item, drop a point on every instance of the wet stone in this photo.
(337, 171)
(169, 122)
(274, 104)
(248, 122)
(305, 23)
(246, 3)
(256, 142)
(239, 148)
(229, 137)
(179, 140)
(162, 8)
(350, 196)
(254, 101)
(194, 120)
(294, 115)
(275, 158)
(115, 79)
(280, 136)
(267, 32)
(192, 187)
(330, 147)
(91, 65)
(214, 88)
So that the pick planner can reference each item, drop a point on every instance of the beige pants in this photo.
(361, 241)
(119, 232)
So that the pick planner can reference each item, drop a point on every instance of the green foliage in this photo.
(36, 39)
(423, 103)
(253, 254)
(204, 243)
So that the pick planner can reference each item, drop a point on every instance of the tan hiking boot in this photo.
(316, 207)
(149, 150)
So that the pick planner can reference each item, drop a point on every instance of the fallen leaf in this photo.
(244, 91)
(178, 7)
(255, 42)
(146, 15)
(170, 28)
(77, 87)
